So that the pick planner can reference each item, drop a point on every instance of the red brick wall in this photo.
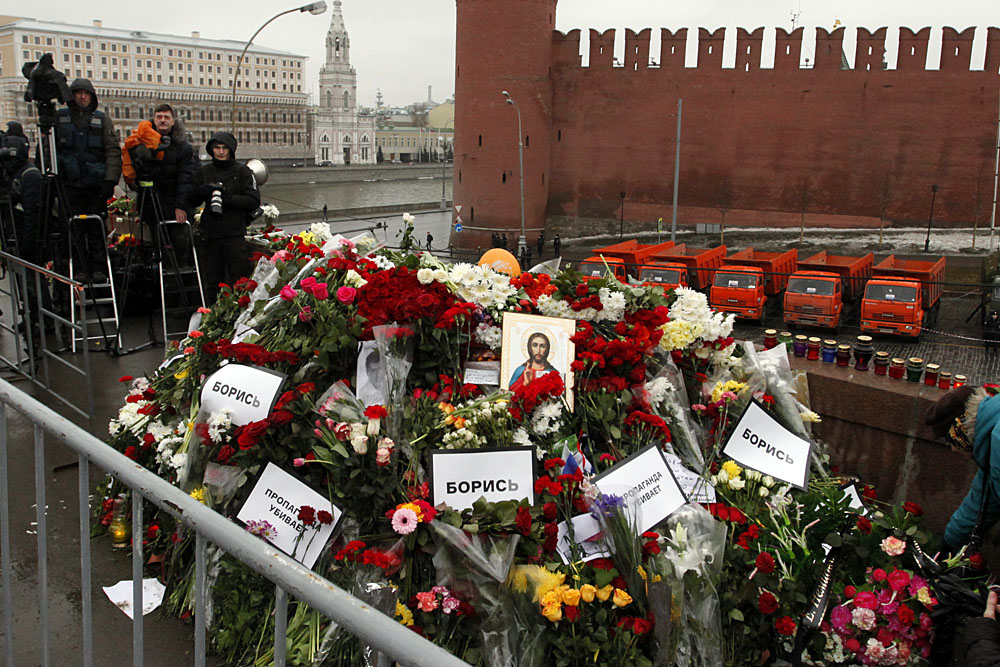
(761, 143)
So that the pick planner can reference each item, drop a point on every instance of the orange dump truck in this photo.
(903, 297)
(697, 263)
(743, 284)
(824, 287)
(624, 259)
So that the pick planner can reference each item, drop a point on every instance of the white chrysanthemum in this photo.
(425, 276)
(219, 423)
(553, 307)
(382, 262)
(407, 218)
(522, 438)
(549, 410)
(321, 232)
(614, 306)
(658, 390)
(177, 461)
(490, 336)
(130, 419)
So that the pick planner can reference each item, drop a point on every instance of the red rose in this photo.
(281, 417)
(767, 603)
(765, 563)
(852, 645)
(913, 508)
(864, 525)
(641, 626)
(152, 532)
(523, 520)
(869, 492)
(905, 614)
(225, 454)
(785, 626)
(571, 613)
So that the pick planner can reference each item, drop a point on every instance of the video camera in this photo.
(45, 82)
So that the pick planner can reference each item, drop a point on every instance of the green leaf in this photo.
(616, 432)
(736, 614)
(340, 449)
(911, 531)
(833, 539)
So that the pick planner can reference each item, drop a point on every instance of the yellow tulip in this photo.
(587, 592)
(459, 422)
(622, 598)
(604, 593)
(571, 597)
(553, 612)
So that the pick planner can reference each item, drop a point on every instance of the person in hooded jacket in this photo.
(90, 159)
(991, 332)
(969, 419)
(224, 254)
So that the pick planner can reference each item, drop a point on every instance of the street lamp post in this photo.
(621, 221)
(444, 163)
(522, 242)
(930, 218)
(314, 8)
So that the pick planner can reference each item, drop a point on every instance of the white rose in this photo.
(736, 484)
(425, 276)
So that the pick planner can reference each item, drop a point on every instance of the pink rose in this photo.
(305, 314)
(280, 256)
(287, 293)
(346, 294)
(321, 292)
(307, 284)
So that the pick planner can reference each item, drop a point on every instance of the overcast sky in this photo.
(403, 46)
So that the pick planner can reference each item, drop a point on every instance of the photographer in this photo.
(230, 193)
(171, 164)
(23, 181)
(90, 160)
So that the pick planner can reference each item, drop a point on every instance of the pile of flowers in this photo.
(729, 578)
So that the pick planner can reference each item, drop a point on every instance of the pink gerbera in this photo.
(404, 521)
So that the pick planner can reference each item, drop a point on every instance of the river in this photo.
(312, 196)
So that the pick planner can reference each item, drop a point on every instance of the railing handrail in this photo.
(375, 628)
(49, 273)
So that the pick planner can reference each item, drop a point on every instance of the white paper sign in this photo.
(645, 479)
(243, 332)
(696, 488)
(855, 499)
(121, 595)
(761, 443)
(276, 498)
(481, 375)
(461, 477)
(588, 537)
(246, 390)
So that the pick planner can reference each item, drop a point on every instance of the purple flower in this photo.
(606, 505)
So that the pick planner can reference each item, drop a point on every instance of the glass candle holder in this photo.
(931, 374)
(944, 380)
(829, 351)
(844, 355)
(914, 369)
(812, 348)
(960, 381)
(119, 528)
(770, 338)
(786, 338)
(863, 351)
(799, 345)
(881, 363)
(897, 368)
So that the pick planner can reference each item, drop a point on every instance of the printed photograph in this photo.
(371, 375)
(533, 346)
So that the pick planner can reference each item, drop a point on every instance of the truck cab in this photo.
(595, 268)
(739, 290)
(893, 306)
(814, 298)
(665, 275)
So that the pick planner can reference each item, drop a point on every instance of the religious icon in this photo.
(534, 346)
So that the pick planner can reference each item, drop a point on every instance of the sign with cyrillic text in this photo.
(272, 513)
(461, 477)
(646, 480)
(761, 443)
(695, 487)
(246, 390)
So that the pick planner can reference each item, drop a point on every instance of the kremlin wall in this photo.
(840, 146)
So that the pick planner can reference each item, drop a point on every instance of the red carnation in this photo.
(130, 452)
(864, 525)
(324, 517)
(905, 614)
(307, 515)
(126, 378)
(550, 511)
(375, 412)
(785, 626)
(767, 603)
(765, 563)
(523, 520)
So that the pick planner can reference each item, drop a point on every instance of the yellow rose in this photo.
(604, 593)
(553, 612)
(571, 597)
(553, 597)
(622, 598)
(587, 592)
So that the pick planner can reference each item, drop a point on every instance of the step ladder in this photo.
(96, 306)
(181, 292)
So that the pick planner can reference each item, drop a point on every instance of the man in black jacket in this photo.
(90, 159)
(224, 249)
(172, 168)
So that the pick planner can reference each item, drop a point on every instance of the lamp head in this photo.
(314, 8)
(505, 94)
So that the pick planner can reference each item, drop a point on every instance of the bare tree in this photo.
(724, 199)
(978, 205)
(883, 196)
(803, 196)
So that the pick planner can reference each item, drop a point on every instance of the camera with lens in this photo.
(45, 82)
(215, 202)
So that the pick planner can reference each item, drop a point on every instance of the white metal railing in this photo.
(290, 578)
